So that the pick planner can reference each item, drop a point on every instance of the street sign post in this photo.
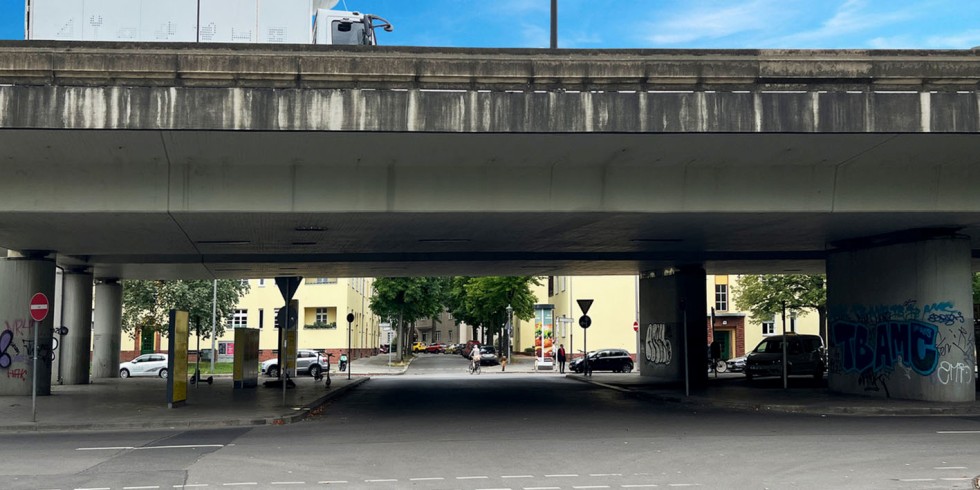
(39, 311)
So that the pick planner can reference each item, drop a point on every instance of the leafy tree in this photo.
(407, 299)
(483, 301)
(147, 304)
(771, 294)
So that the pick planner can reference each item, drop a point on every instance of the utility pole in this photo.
(554, 24)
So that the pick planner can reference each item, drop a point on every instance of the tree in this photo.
(483, 301)
(408, 299)
(147, 304)
(770, 294)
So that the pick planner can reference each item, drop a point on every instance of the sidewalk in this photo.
(767, 395)
(141, 403)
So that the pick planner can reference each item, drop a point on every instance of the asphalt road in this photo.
(440, 428)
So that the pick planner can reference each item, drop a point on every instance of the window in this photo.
(322, 280)
(239, 319)
(768, 328)
(261, 318)
(321, 315)
(792, 322)
(275, 317)
(563, 281)
(721, 297)
(244, 282)
(261, 283)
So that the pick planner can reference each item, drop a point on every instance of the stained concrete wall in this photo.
(20, 279)
(901, 321)
(663, 351)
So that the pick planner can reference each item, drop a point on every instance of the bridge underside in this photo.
(237, 204)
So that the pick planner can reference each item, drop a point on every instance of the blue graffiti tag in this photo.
(6, 338)
(877, 348)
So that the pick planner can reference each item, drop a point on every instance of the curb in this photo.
(858, 411)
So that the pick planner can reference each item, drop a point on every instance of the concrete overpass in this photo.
(163, 161)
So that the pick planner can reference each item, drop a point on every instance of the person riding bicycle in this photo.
(475, 357)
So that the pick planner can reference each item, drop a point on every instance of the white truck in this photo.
(204, 21)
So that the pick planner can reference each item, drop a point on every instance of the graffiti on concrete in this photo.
(658, 349)
(6, 339)
(954, 373)
(861, 348)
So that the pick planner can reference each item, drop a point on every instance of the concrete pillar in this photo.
(108, 329)
(20, 279)
(663, 351)
(75, 352)
(901, 320)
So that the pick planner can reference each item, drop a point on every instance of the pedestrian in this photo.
(561, 358)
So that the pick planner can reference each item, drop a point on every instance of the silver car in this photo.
(308, 362)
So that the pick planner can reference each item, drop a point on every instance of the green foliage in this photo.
(321, 325)
(408, 298)
(766, 295)
(482, 301)
(147, 304)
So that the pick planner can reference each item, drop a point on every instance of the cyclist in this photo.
(475, 358)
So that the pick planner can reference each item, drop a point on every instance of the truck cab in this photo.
(350, 28)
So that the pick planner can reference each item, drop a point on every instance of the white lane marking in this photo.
(517, 476)
(605, 474)
(380, 481)
(331, 482)
(956, 479)
(433, 478)
(958, 432)
(560, 476)
(143, 448)
(472, 477)
(949, 468)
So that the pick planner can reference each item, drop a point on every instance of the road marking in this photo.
(915, 479)
(472, 477)
(517, 476)
(958, 432)
(331, 482)
(956, 479)
(126, 448)
(242, 484)
(949, 468)
(191, 485)
(560, 476)
(433, 478)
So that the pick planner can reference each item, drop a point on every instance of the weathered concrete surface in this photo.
(300, 88)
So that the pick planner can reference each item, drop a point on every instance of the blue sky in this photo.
(837, 24)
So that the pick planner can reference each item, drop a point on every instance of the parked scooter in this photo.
(343, 362)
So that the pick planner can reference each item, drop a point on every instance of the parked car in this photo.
(736, 364)
(451, 349)
(436, 348)
(615, 360)
(805, 355)
(418, 347)
(488, 356)
(308, 362)
(145, 365)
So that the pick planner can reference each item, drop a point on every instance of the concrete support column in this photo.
(664, 299)
(108, 329)
(20, 279)
(74, 354)
(901, 320)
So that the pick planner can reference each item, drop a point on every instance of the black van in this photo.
(805, 355)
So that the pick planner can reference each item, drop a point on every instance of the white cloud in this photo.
(853, 16)
(711, 22)
(963, 40)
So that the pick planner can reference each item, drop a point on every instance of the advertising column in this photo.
(544, 336)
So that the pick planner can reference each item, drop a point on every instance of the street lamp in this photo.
(510, 326)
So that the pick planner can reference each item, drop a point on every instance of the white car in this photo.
(145, 365)
(308, 362)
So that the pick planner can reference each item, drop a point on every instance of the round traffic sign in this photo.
(39, 307)
(585, 321)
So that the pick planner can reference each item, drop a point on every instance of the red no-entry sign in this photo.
(39, 307)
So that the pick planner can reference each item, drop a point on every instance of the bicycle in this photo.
(474, 368)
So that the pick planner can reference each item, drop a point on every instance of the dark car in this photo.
(805, 355)
(615, 360)
(488, 356)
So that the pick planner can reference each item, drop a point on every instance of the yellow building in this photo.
(323, 303)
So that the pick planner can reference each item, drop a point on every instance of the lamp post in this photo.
(350, 319)
(510, 326)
